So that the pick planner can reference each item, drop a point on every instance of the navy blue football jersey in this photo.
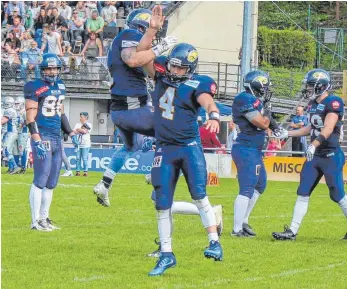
(249, 135)
(176, 109)
(127, 81)
(316, 115)
(49, 100)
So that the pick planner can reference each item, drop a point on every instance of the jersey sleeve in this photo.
(335, 105)
(129, 39)
(29, 91)
(248, 104)
(206, 85)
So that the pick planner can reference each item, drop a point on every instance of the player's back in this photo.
(317, 113)
(127, 81)
(11, 125)
(249, 135)
(49, 98)
(176, 109)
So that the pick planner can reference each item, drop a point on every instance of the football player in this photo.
(324, 156)
(23, 134)
(177, 96)
(45, 118)
(253, 120)
(9, 123)
(129, 110)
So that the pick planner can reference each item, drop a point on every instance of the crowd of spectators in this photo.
(73, 30)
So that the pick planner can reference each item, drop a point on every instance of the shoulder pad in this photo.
(130, 38)
(160, 64)
(205, 84)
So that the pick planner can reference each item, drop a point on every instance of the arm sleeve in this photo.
(65, 125)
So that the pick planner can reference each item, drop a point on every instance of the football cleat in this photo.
(85, 174)
(345, 237)
(165, 261)
(67, 174)
(102, 194)
(286, 235)
(51, 224)
(218, 211)
(15, 171)
(156, 253)
(77, 174)
(22, 171)
(41, 226)
(240, 234)
(214, 251)
(248, 229)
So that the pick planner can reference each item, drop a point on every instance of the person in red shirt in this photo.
(209, 139)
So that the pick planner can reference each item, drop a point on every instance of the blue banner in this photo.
(99, 159)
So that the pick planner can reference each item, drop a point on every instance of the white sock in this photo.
(206, 212)
(46, 200)
(212, 237)
(184, 208)
(35, 204)
(343, 205)
(240, 208)
(251, 205)
(300, 211)
(164, 218)
(110, 174)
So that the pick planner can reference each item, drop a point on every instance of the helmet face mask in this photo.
(258, 83)
(50, 67)
(316, 83)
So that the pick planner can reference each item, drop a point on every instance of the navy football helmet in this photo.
(316, 82)
(50, 60)
(257, 82)
(183, 55)
(138, 19)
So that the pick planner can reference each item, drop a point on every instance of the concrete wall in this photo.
(213, 27)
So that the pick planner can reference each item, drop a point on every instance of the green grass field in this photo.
(101, 247)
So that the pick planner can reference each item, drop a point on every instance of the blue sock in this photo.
(24, 159)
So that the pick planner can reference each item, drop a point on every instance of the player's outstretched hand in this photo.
(280, 133)
(147, 144)
(75, 141)
(310, 152)
(212, 125)
(157, 18)
(40, 150)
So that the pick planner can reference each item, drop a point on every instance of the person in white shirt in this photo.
(232, 135)
(109, 13)
(65, 10)
(83, 129)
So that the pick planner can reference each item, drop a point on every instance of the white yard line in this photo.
(88, 279)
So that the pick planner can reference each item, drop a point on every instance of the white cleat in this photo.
(148, 179)
(67, 174)
(102, 194)
(41, 226)
(218, 211)
(50, 224)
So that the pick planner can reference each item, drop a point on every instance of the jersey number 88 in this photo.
(52, 105)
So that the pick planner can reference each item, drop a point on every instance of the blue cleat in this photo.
(165, 261)
(214, 251)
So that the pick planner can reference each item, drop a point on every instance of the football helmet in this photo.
(7, 102)
(19, 103)
(316, 82)
(258, 83)
(50, 60)
(138, 19)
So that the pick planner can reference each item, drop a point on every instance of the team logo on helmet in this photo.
(192, 56)
(261, 79)
(320, 75)
(143, 16)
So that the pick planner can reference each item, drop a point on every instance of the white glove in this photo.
(310, 152)
(280, 133)
(164, 45)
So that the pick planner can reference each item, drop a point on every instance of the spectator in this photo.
(299, 121)
(26, 41)
(12, 6)
(35, 10)
(65, 10)
(273, 145)
(15, 13)
(58, 20)
(65, 33)
(42, 19)
(95, 24)
(209, 139)
(28, 19)
(10, 62)
(77, 46)
(91, 6)
(76, 25)
(83, 128)
(232, 135)
(17, 27)
(81, 10)
(109, 13)
(13, 41)
(30, 61)
(51, 40)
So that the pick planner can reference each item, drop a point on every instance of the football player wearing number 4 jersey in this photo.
(45, 119)
(324, 155)
(177, 97)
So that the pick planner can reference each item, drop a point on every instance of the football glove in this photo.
(310, 152)
(164, 45)
(40, 150)
(280, 133)
(75, 141)
(147, 144)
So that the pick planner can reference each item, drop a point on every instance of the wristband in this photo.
(213, 115)
(321, 138)
(33, 129)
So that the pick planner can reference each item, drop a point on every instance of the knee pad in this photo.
(162, 200)
(207, 215)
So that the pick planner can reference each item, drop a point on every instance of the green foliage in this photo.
(288, 48)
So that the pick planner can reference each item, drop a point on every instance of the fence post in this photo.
(218, 75)
(344, 86)
(225, 80)
(291, 84)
